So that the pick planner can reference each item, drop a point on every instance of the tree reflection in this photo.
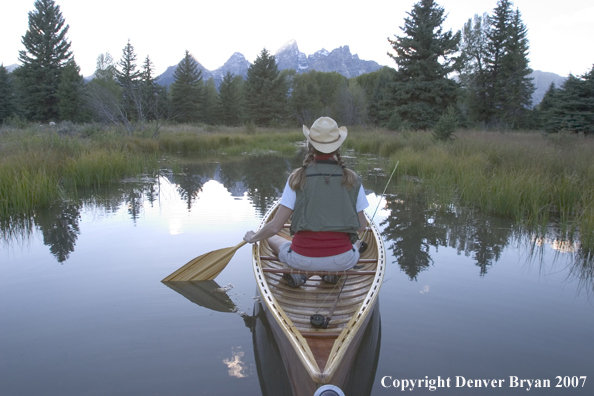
(265, 179)
(414, 226)
(191, 179)
(409, 234)
(59, 226)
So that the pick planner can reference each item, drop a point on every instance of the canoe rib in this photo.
(321, 351)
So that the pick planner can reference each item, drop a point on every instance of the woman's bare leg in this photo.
(275, 243)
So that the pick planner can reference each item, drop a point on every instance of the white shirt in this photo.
(290, 196)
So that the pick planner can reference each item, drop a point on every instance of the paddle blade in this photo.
(207, 294)
(205, 267)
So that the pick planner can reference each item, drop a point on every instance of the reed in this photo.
(532, 178)
(232, 142)
(39, 166)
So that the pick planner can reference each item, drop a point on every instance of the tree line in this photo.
(476, 77)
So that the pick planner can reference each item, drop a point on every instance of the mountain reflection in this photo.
(414, 229)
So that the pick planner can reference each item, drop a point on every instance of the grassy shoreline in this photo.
(532, 178)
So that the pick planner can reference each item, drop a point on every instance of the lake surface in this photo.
(466, 297)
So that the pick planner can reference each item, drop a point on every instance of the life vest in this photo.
(325, 204)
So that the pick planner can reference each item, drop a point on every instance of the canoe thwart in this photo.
(320, 273)
(362, 261)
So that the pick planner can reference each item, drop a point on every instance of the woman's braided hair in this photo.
(298, 180)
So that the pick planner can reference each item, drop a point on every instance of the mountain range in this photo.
(338, 60)
(288, 57)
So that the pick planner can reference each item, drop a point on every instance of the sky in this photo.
(560, 33)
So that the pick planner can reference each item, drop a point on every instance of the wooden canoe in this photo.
(322, 354)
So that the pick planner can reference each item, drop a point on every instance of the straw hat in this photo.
(325, 135)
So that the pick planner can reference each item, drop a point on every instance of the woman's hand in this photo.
(249, 237)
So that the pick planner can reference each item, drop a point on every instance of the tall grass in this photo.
(532, 178)
(231, 141)
(37, 166)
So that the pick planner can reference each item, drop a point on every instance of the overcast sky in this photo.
(560, 32)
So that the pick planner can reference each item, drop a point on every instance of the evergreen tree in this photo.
(46, 52)
(446, 125)
(186, 90)
(474, 74)
(546, 107)
(381, 100)
(129, 79)
(70, 93)
(265, 91)
(515, 87)
(425, 57)
(230, 100)
(208, 112)
(509, 89)
(7, 99)
(497, 36)
(572, 107)
(149, 89)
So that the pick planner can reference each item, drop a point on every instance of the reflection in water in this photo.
(59, 226)
(275, 377)
(207, 294)
(273, 372)
(235, 365)
(414, 227)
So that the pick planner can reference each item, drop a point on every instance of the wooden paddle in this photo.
(205, 267)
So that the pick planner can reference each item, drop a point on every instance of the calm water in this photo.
(83, 311)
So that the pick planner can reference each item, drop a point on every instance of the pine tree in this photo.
(546, 108)
(7, 100)
(70, 93)
(497, 36)
(572, 106)
(515, 86)
(265, 91)
(474, 74)
(230, 100)
(129, 78)
(186, 90)
(509, 89)
(149, 89)
(381, 101)
(46, 52)
(446, 125)
(208, 108)
(425, 56)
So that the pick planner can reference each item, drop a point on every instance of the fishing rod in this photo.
(363, 246)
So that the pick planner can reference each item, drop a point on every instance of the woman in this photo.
(326, 201)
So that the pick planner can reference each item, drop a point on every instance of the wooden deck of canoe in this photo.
(322, 352)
